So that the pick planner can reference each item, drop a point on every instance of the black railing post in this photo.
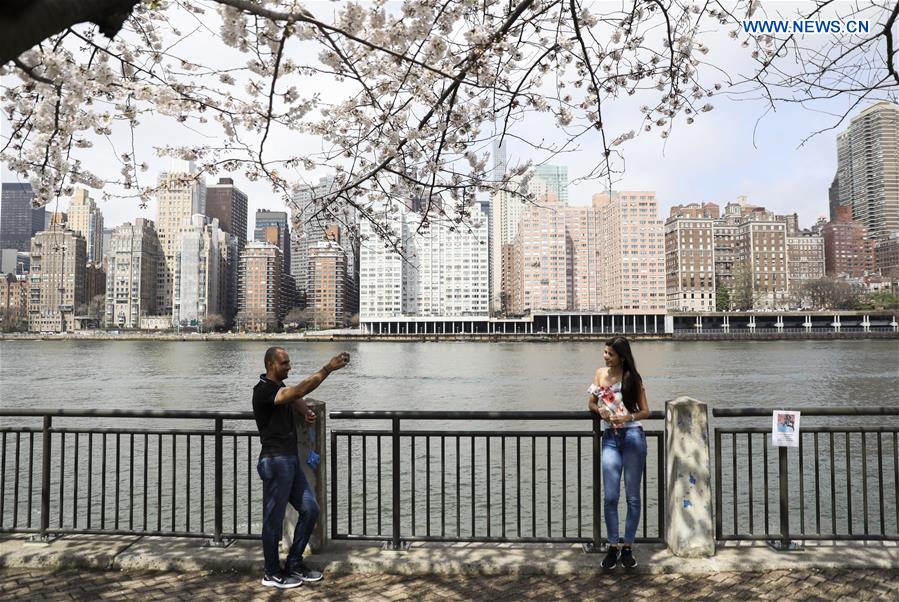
(45, 479)
(332, 458)
(595, 546)
(719, 496)
(395, 543)
(784, 543)
(784, 498)
(218, 486)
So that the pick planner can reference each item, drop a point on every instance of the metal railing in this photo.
(65, 471)
(447, 484)
(841, 483)
(172, 481)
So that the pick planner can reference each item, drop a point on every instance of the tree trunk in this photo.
(25, 25)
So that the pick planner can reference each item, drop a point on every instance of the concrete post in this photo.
(690, 524)
(317, 478)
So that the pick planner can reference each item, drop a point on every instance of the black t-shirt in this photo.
(275, 422)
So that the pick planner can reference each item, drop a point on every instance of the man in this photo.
(274, 404)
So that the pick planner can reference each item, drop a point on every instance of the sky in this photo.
(739, 148)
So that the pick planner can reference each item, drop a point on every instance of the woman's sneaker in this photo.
(611, 559)
(281, 581)
(627, 558)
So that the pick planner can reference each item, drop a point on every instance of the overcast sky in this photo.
(736, 149)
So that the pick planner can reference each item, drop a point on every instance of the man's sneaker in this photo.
(627, 558)
(611, 559)
(304, 572)
(281, 581)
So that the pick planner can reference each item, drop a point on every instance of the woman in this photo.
(618, 397)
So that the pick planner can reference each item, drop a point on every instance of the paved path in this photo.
(828, 584)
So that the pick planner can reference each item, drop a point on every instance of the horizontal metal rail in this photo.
(806, 411)
(463, 415)
(183, 414)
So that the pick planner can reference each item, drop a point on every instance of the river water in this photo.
(218, 375)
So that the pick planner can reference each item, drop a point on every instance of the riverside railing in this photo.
(402, 485)
(175, 479)
(841, 483)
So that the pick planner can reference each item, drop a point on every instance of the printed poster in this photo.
(785, 428)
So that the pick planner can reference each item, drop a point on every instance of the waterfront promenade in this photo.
(109, 567)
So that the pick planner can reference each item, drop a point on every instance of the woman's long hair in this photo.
(631, 381)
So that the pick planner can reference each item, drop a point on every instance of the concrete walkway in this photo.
(175, 568)
(24, 584)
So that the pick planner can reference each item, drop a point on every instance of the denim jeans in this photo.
(283, 481)
(622, 450)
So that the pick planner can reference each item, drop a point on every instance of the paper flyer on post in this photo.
(785, 428)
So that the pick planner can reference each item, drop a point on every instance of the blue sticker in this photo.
(692, 480)
(687, 503)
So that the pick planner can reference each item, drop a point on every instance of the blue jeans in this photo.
(283, 481)
(622, 449)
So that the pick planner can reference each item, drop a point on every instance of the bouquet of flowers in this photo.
(611, 399)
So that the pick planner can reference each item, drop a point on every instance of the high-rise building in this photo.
(690, 258)
(632, 259)
(19, 221)
(751, 255)
(228, 204)
(506, 208)
(181, 194)
(886, 253)
(58, 260)
(308, 228)
(868, 168)
(259, 288)
(539, 274)
(833, 196)
(272, 227)
(326, 293)
(848, 250)
(229, 259)
(805, 259)
(85, 218)
(133, 260)
(446, 269)
(442, 271)
(604, 257)
(311, 219)
(380, 270)
(199, 273)
(556, 178)
(107, 240)
(94, 287)
(500, 164)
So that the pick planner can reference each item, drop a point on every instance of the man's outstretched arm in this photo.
(306, 386)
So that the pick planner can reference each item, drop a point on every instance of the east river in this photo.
(438, 376)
